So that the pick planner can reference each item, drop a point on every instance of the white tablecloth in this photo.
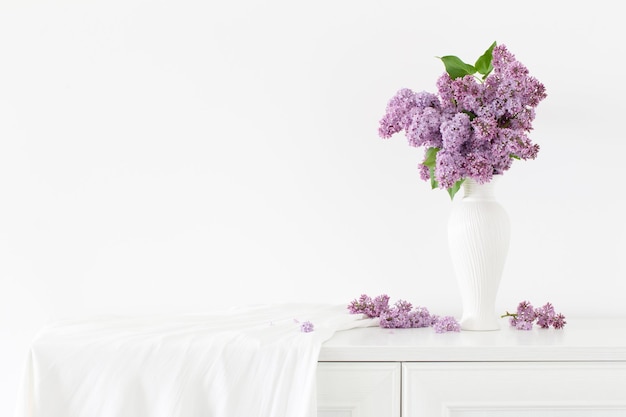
(246, 362)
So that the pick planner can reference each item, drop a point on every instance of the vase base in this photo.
(479, 325)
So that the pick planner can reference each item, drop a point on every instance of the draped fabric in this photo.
(247, 362)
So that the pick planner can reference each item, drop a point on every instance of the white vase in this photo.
(478, 237)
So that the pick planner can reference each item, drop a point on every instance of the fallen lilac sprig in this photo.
(526, 315)
(368, 306)
(446, 324)
(401, 315)
(306, 327)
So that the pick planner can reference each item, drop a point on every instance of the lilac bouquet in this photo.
(476, 125)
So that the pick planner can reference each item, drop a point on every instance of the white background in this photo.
(188, 155)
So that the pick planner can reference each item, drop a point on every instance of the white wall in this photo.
(190, 155)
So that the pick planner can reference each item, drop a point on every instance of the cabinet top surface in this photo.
(580, 340)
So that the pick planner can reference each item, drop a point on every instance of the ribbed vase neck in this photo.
(473, 190)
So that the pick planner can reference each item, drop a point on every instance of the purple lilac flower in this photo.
(381, 303)
(450, 168)
(424, 129)
(306, 327)
(403, 306)
(525, 311)
(446, 324)
(364, 305)
(545, 316)
(523, 324)
(559, 321)
(394, 319)
(420, 317)
(424, 172)
(446, 93)
(485, 130)
(525, 316)
(515, 75)
(478, 127)
(401, 315)
(396, 116)
(401, 108)
(456, 132)
(480, 165)
(368, 306)
(468, 93)
(397, 316)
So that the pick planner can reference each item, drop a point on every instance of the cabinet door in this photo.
(520, 389)
(358, 389)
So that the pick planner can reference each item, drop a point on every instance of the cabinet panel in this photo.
(514, 389)
(531, 411)
(358, 389)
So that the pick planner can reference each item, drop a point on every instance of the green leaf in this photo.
(471, 114)
(431, 157)
(457, 68)
(433, 182)
(430, 160)
(455, 188)
(483, 64)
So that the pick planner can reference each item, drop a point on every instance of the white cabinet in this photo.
(579, 371)
(514, 389)
(358, 389)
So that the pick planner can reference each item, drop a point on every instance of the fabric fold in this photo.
(248, 361)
